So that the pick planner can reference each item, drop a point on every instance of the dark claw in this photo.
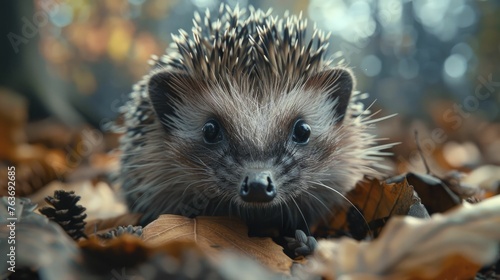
(300, 236)
(312, 243)
(301, 245)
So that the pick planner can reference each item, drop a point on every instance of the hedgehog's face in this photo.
(265, 149)
(258, 170)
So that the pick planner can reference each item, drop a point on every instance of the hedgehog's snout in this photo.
(257, 186)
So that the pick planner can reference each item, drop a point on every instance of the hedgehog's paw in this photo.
(301, 244)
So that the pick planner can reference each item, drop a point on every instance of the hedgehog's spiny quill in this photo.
(257, 45)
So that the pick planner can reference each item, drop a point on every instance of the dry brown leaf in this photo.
(434, 193)
(35, 164)
(453, 245)
(377, 201)
(34, 173)
(216, 234)
(126, 250)
(384, 199)
(129, 250)
(106, 161)
(13, 118)
(51, 133)
(454, 266)
(173, 260)
(486, 178)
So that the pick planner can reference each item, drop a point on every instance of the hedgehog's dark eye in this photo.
(211, 132)
(301, 132)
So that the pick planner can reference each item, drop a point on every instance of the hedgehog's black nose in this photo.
(257, 187)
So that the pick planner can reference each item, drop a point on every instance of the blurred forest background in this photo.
(67, 66)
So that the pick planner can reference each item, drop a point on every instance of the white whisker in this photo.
(302, 215)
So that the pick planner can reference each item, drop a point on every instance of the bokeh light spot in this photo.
(63, 15)
(371, 65)
(455, 65)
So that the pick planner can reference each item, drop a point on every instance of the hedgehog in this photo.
(247, 117)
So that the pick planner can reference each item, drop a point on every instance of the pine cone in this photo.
(66, 213)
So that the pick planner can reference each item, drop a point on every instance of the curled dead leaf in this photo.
(127, 250)
(451, 245)
(486, 178)
(435, 194)
(217, 234)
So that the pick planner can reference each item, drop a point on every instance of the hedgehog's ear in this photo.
(164, 89)
(337, 83)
